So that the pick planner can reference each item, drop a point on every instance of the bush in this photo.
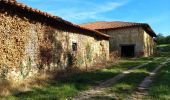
(114, 58)
(165, 48)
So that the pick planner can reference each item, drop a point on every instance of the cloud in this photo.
(77, 10)
(90, 11)
(156, 19)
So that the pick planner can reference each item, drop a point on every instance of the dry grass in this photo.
(5, 88)
(12, 87)
(41, 79)
(114, 58)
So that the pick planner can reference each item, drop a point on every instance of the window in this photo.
(74, 46)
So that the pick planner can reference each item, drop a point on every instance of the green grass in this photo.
(71, 85)
(163, 48)
(164, 54)
(127, 85)
(160, 89)
(163, 45)
(141, 59)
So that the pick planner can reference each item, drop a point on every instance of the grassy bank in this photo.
(71, 85)
(160, 89)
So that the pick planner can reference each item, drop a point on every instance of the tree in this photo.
(161, 39)
(167, 39)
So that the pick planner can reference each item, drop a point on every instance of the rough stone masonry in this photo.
(31, 40)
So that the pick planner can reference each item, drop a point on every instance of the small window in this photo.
(74, 46)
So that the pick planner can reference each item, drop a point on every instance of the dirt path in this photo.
(142, 91)
(120, 76)
(98, 92)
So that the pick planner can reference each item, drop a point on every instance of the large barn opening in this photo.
(128, 50)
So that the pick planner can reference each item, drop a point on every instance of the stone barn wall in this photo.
(148, 44)
(144, 43)
(126, 36)
(29, 43)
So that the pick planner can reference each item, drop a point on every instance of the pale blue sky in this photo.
(154, 12)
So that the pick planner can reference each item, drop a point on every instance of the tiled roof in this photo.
(103, 25)
(56, 18)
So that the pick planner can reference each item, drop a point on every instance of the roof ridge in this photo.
(112, 22)
(128, 22)
(117, 25)
(93, 22)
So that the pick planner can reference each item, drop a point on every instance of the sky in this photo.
(154, 12)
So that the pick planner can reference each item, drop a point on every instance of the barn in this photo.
(129, 39)
(32, 40)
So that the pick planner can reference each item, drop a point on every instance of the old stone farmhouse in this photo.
(32, 40)
(127, 38)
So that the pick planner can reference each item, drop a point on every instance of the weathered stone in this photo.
(144, 43)
(29, 45)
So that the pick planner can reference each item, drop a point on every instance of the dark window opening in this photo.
(74, 46)
(128, 50)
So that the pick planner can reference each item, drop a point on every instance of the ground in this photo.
(125, 88)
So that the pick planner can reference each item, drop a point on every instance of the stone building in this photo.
(32, 40)
(127, 38)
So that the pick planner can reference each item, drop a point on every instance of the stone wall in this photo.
(148, 44)
(29, 45)
(126, 36)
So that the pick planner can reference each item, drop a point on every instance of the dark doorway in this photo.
(128, 50)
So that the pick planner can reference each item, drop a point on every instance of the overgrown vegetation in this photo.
(163, 48)
(79, 60)
(4, 71)
(25, 69)
(160, 89)
(68, 86)
(89, 52)
(125, 87)
(163, 39)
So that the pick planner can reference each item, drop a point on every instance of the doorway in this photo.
(127, 50)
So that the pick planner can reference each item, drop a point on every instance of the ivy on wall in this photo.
(79, 60)
(25, 69)
(89, 52)
(4, 71)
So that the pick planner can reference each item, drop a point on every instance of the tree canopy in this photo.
(161, 39)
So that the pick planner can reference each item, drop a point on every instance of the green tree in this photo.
(167, 39)
(161, 39)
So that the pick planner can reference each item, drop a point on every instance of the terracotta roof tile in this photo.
(56, 18)
(103, 25)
